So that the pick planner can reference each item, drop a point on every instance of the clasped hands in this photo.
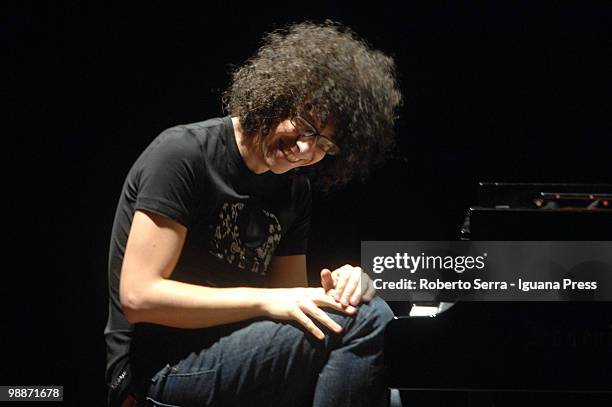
(348, 285)
(341, 290)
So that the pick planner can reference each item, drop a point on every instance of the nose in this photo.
(306, 147)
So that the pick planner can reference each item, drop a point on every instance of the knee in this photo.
(377, 312)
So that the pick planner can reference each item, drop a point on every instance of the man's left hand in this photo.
(349, 285)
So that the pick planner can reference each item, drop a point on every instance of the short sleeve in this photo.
(168, 176)
(295, 240)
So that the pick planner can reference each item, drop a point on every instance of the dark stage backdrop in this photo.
(494, 91)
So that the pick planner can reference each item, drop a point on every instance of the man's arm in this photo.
(148, 295)
(287, 271)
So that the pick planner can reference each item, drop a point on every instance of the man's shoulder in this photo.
(195, 137)
(214, 126)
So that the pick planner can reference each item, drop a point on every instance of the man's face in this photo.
(284, 149)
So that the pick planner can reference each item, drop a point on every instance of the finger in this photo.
(352, 291)
(330, 302)
(321, 292)
(311, 309)
(307, 323)
(350, 310)
(327, 281)
(331, 293)
(370, 292)
(343, 277)
(334, 275)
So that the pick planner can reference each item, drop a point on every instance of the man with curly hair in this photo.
(209, 297)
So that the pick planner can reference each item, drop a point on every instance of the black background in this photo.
(494, 91)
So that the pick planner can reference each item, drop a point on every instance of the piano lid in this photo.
(535, 211)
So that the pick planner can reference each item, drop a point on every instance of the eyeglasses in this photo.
(307, 130)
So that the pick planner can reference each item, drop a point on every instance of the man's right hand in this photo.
(303, 305)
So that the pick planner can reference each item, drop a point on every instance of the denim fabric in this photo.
(277, 363)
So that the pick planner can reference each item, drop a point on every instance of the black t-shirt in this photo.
(236, 220)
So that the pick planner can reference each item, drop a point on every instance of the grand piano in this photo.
(507, 353)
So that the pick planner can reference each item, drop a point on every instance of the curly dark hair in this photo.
(329, 68)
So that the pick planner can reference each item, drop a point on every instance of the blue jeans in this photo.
(277, 363)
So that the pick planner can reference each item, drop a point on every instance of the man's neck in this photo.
(248, 150)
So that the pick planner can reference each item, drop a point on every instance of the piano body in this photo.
(504, 353)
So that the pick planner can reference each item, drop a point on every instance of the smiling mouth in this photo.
(289, 156)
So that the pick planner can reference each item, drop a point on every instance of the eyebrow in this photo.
(306, 114)
(309, 118)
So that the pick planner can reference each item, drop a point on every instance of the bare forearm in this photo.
(181, 305)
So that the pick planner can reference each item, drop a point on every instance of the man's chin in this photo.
(280, 169)
(278, 165)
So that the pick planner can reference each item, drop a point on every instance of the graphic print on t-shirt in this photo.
(245, 236)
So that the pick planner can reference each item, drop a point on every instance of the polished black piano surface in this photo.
(502, 353)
